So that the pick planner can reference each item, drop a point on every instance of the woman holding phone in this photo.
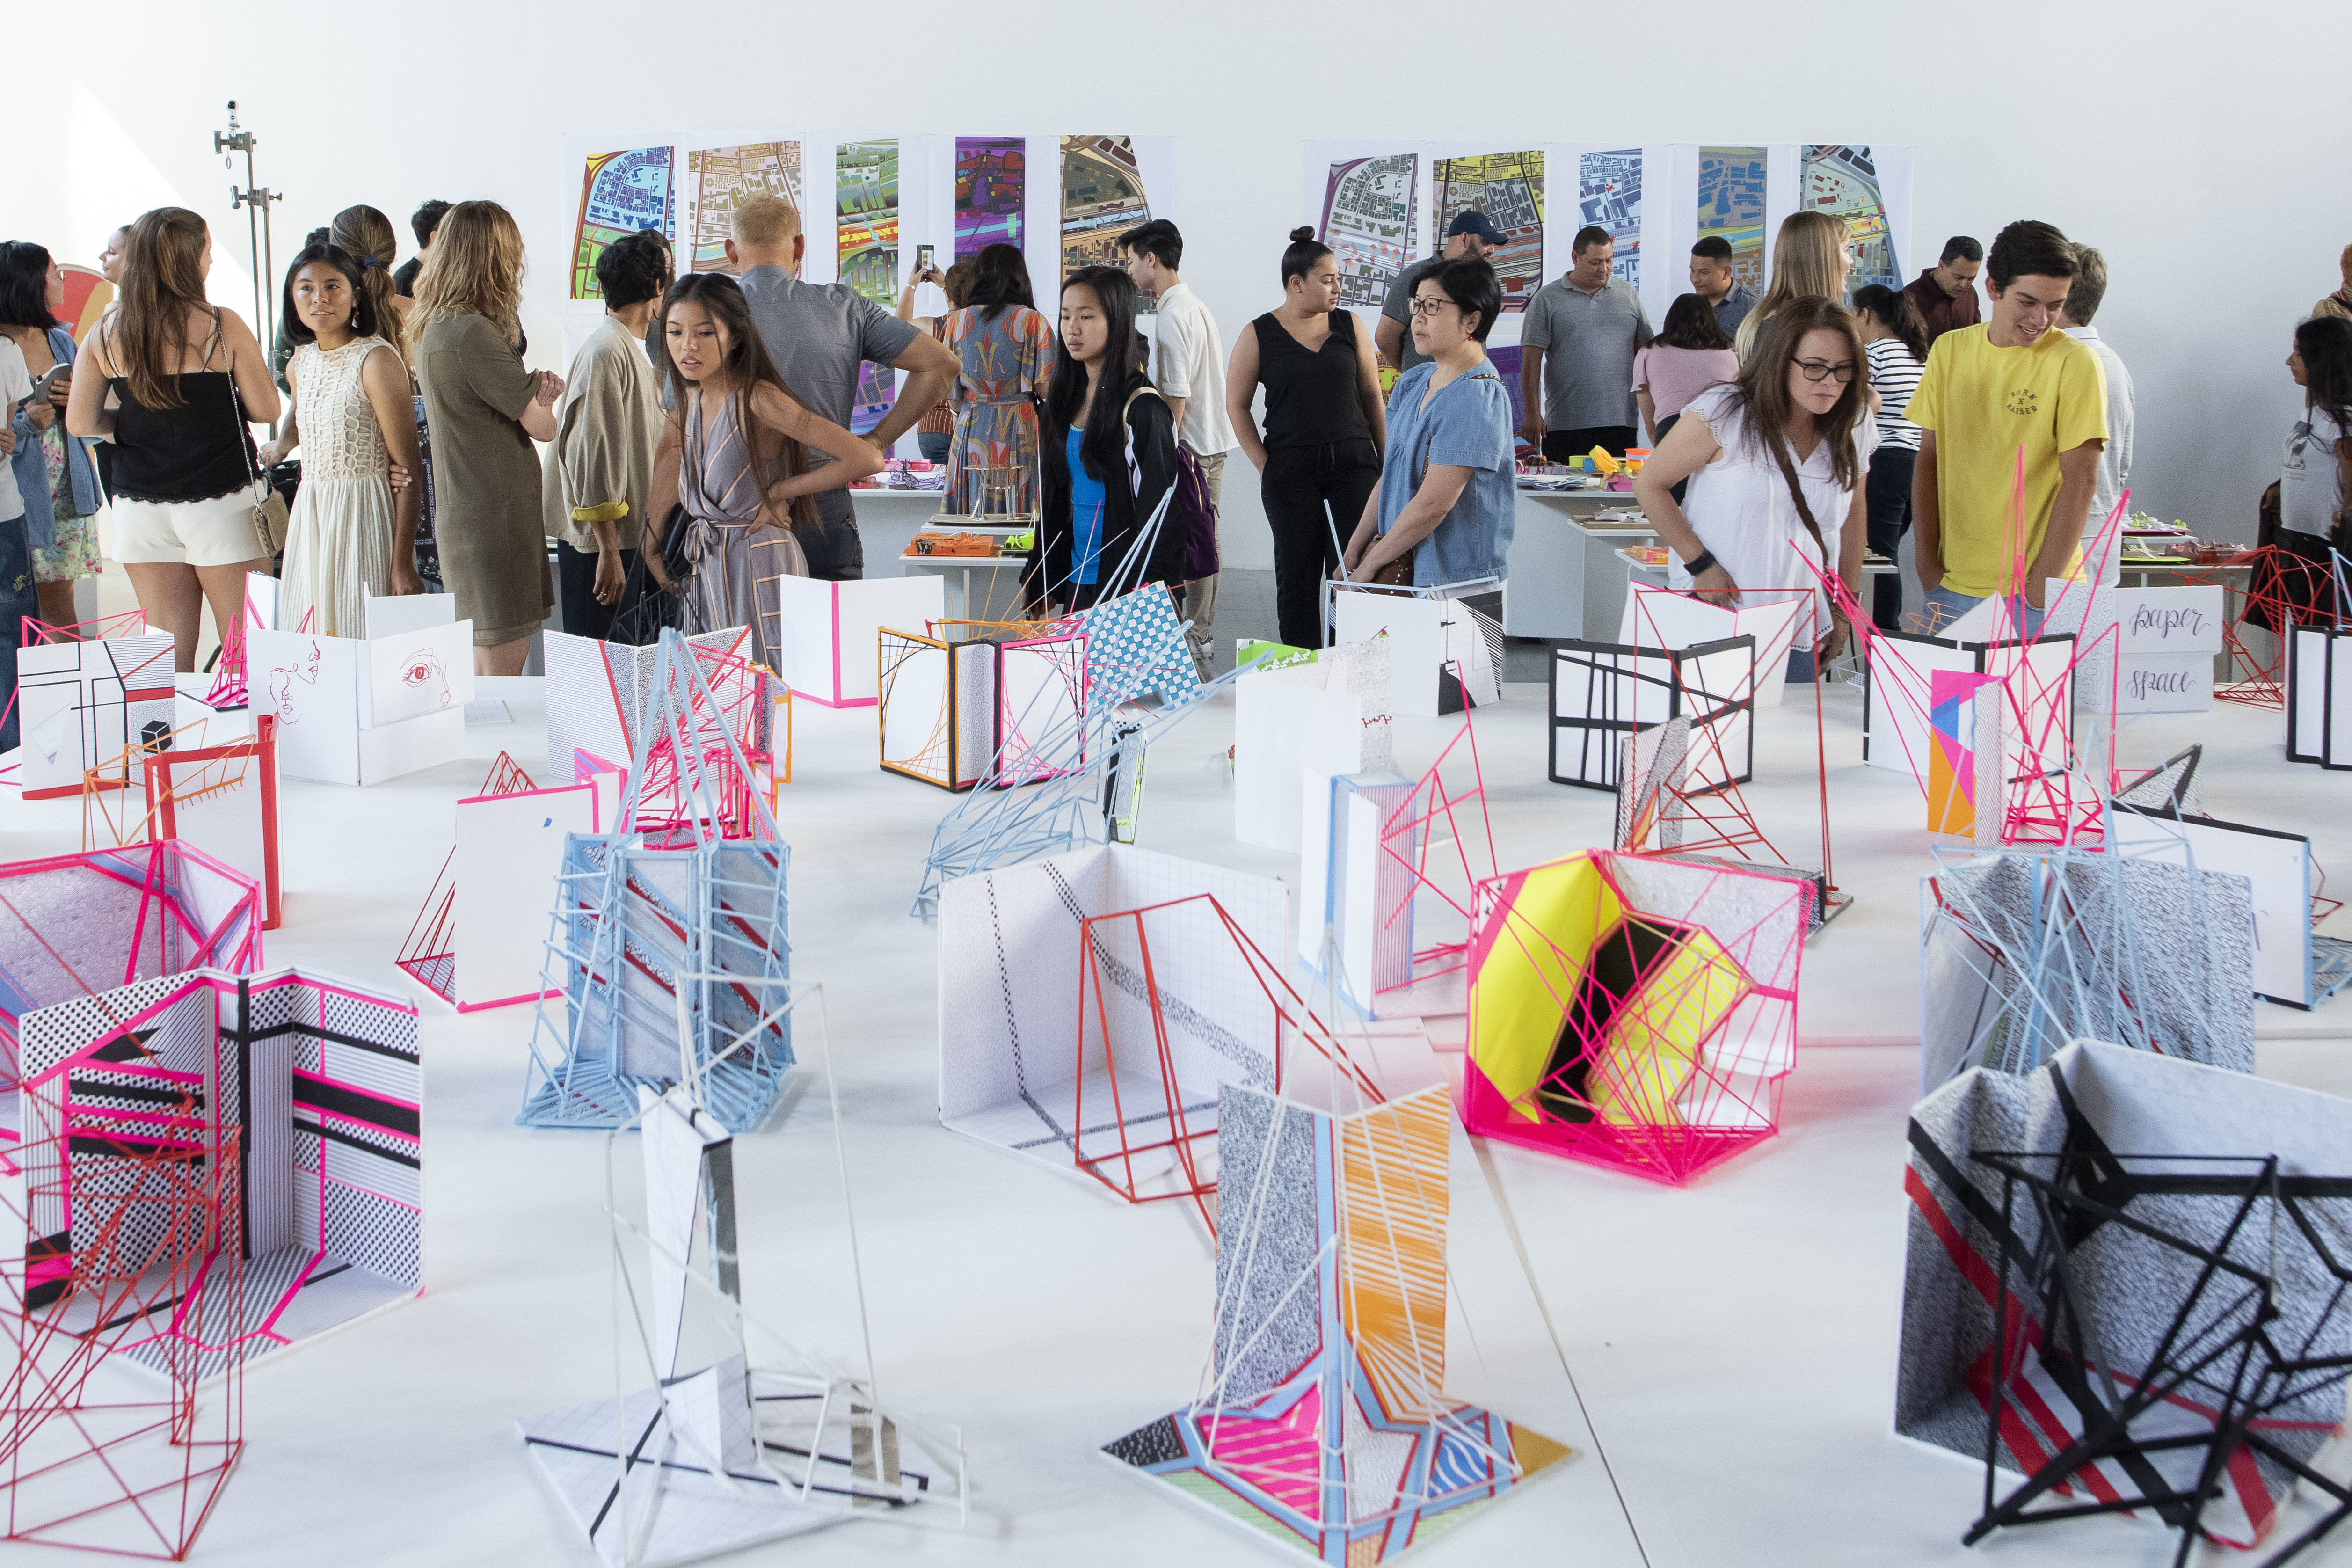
(55, 476)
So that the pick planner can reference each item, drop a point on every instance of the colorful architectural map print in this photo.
(1731, 204)
(1368, 223)
(1609, 195)
(721, 179)
(620, 193)
(865, 219)
(1509, 187)
(1102, 198)
(991, 184)
(1843, 182)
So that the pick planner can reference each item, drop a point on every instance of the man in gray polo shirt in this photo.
(1576, 356)
(819, 335)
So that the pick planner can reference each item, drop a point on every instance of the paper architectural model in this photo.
(1445, 656)
(2318, 696)
(1353, 889)
(939, 707)
(222, 800)
(826, 637)
(314, 1084)
(688, 879)
(1093, 1003)
(1633, 1012)
(1322, 1425)
(84, 705)
(1655, 618)
(597, 691)
(1135, 648)
(1969, 720)
(1326, 712)
(1602, 693)
(477, 941)
(1042, 694)
(359, 711)
(2126, 1281)
(2291, 965)
(718, 1436)
(2023, 950)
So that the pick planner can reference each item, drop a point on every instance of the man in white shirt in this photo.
(2082, 300)
(1189, 367)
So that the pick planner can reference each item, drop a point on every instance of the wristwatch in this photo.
(1700, 563)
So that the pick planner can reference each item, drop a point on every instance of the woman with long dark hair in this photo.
(2315, 479)
(189, 382)
(1319, 460)
(735, 452)
(56, 478)
(1775, 461)
(1108, 451)
(1894, 336)
(1004, 353)
(935, 432)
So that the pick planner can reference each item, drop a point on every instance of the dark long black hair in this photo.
(1104, 445)
(747, 365)
(1000, 277)
(363, 323)
(1305, 250)
(1691, 324)
(25, 286)
(2326, 344)
(1895, 312)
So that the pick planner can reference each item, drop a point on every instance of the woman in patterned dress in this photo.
(1005, 347)
(55, 476)
(734, 450)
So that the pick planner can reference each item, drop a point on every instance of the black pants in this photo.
(575, 589)
(1298, 483)
(1562, 445)
(1659, 440)
(1888, 497)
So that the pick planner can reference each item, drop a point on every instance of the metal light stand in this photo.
(256, 201)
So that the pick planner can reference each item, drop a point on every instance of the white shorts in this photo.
(216, 532)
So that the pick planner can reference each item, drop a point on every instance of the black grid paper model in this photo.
(1602, 693)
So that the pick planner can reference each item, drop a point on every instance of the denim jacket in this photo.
(32, 468)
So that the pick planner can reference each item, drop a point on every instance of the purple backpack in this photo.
(1190, 516)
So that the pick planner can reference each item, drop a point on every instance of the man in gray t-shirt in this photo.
(1472, 233)
(819, 335)
(1576, 356)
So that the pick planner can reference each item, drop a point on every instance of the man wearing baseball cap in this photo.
(1472, 233)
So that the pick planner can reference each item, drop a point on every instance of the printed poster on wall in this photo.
(1608, 195)
(866, 228)
(1842, 181)
(990, 188)
(620, 193)
(1509, 187)
(1102, 198)
(1369, 207)
(720, 179)
(1731, 204)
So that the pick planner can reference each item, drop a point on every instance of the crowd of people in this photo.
(700, 446)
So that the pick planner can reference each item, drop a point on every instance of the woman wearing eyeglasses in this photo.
(1444, 509)
(1776, 462)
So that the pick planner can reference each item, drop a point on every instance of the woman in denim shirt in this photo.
(54, 472)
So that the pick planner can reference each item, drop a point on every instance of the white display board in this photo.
(509, 848)
(827, 649)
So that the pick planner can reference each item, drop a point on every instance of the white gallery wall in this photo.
(2187, 150)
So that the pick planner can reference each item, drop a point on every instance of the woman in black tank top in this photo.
(1319, 460)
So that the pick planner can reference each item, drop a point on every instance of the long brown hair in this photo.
(367, 235)
(163, 281)
(475, 269)
(747, 365)
(1762, 397)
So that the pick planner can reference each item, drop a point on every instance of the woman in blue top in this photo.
(1447, 496)
(1108, 453)
(54, 472)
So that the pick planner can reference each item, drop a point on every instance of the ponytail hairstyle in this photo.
(747, 365)
(1897, 314)
(365, 320)
(475, 269)
(1104, 446)
(163, 281)
(367, 236)
(1305, 251)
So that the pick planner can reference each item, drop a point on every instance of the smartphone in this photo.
(923, 267)
(49, 378)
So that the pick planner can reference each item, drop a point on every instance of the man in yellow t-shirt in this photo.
(2014, 381)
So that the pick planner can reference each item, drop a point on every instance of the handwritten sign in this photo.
(2164, 683)
(2169, 620)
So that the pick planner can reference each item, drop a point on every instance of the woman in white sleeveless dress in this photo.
(349, 535)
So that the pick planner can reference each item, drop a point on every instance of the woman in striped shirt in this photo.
(1896, 340)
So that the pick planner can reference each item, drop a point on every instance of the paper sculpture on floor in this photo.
(2022, 950)
(476, 943)
(1353, 893)
(359, 711)
(1633, 1012)
(1041, 693)
(318, 1085)
(86, 696)
(2125, 1280)
(1445, 656)
(1932, 705)
(720, 1434)
(689, 879)
(827, 637)
(938, 707)
(1602, 693)
(1322, 1425)
(1325, 713)
(1092, 1005)
(223, 800)
(596, 695)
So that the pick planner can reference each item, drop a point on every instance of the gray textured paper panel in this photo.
(1267, 1207)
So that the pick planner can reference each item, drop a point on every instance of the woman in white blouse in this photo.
(1776, 462)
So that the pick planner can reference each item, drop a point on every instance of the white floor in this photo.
(1733, 1343)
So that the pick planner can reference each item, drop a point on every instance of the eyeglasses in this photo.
(1431, 307)
(1819, 370)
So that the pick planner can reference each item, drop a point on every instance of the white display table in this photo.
(1565, 578)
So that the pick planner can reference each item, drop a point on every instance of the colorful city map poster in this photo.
(720, 179)
(1509, 187)
(1608, 195)
(1731, 204)
(991, 184)
(620, 193)
(1368, 212)
(866, 225)
(1842, 181)
(1102, 198)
